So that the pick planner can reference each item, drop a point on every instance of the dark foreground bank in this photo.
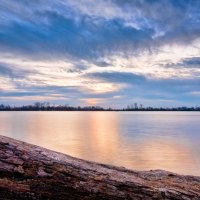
(31, 172)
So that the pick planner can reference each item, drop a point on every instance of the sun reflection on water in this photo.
(132, 140)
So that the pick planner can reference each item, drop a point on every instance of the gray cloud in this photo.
(139, 86)
(117, 77)
(192, 62)
(56, 28)
(10, 71)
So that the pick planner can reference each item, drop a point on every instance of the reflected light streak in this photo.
(104, 134)
(112, 137)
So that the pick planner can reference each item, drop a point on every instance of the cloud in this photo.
(98, 50)
(86, 29)
(189, 65)
(192, 62)
(117, 77)
(63, 37)
(10, 71)
(139, 86)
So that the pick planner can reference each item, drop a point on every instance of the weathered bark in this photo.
(31, 172)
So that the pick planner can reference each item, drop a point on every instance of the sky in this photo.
(100, 53)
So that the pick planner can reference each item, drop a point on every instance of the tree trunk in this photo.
(31, 172)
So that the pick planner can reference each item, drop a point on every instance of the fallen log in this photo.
(31, 172)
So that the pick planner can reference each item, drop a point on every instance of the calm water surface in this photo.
(136, 140)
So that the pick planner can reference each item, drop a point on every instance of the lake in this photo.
(135, 140)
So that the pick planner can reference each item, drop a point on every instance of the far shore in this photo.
(46, 106)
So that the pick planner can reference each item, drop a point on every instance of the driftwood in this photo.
(31, 172)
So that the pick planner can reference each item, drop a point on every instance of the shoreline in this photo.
(100, 110)
(31, 172)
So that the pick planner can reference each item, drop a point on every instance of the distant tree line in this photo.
(46, 106)
(140, 107)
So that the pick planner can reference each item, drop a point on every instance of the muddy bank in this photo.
(31, 172)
